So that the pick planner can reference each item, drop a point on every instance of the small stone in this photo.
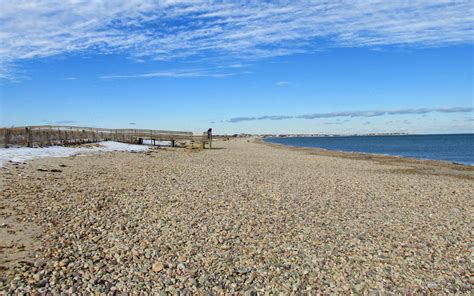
(37, 277)
(41, 283)
(192, 282)
(39, 263)
(63, 263)
(202, 279)
(157, 267)
(432, 285)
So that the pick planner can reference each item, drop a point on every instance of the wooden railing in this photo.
(47, 135)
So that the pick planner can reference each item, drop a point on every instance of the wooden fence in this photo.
(48, 135)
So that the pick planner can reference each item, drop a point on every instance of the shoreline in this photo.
(457, 169)
(369, 153)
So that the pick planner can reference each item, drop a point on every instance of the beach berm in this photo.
(243, 217)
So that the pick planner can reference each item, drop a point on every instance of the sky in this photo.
(239, 66)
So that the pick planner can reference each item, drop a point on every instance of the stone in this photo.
(432, 285)
(157, 267)
(37, 277)
(41, 283)
(202, 280)
(63, 263)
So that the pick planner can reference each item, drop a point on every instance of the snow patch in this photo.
(24, 153)
(157, 143)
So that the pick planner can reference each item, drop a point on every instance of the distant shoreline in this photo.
(356, 135)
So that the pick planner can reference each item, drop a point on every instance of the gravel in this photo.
(242, 218)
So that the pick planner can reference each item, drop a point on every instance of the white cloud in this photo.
(175, 74)
(164, 30)
(356, 114)
(65, 122)
(282, 83)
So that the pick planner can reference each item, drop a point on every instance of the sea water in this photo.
(457, 148)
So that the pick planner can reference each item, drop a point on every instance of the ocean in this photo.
(456, 148)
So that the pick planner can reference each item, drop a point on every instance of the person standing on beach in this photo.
(209, 137)
(209, 134)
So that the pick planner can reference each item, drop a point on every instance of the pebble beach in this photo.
(243, 218)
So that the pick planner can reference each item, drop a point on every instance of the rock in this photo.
(157, 267)
(202, 280)
(63, 263)
(40, 263)
(37, 277)
(244, 270)
(41, 283)
(432, 285)
(192, 282)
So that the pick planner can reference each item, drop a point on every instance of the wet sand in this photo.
(244, 217)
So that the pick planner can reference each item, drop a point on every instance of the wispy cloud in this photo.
(356, 114)
(175, 74)
(65, 122)
(241, 30)
(282, 83)
(132, 123)
(70, 78)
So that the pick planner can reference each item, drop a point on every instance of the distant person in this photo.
(209, 133)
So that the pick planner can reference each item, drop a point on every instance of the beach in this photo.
(244, 217)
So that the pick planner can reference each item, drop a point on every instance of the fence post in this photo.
(28, 137)
(61, 141)
(48, 136)
(7, 137)
(40, 135)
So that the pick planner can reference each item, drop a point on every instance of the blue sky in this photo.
(255, 67)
